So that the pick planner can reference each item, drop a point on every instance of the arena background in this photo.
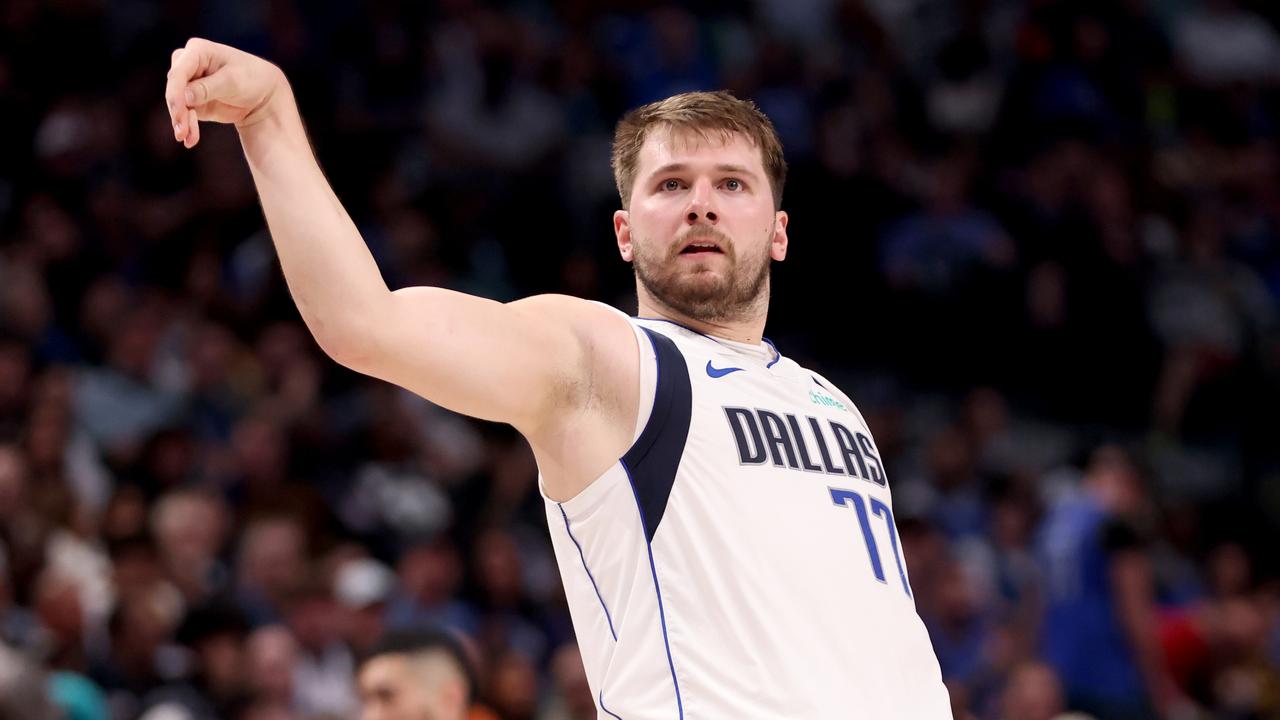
(1033, 240)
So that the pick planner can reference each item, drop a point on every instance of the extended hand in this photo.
(209, 81)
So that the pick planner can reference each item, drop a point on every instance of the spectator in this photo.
(572, 695)
(215, 635)
(22, 695)
(415, 675)
(190, 528)
(1099, 631)
(272, 566)
(430, 578)
(323, 671)
(362, 586)
(1033, 693)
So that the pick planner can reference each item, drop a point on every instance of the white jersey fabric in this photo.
(741, 560)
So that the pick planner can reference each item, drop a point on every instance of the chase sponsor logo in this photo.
(809, 444)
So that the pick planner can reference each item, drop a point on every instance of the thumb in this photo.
(216, 86)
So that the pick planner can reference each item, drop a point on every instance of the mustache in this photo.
(703, 232)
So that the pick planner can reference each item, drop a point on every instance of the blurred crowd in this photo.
(1038, 242)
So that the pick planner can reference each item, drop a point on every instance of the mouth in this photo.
(702, 247)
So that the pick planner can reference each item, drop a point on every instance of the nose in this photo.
(701, 207)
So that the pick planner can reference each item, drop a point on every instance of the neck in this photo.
(748, 329)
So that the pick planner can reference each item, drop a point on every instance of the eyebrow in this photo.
(722, 167)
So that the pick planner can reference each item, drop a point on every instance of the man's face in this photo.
(691, 191)
(390, 689)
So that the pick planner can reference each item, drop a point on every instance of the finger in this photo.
(189, 62)
(215, 86)
(193, 132)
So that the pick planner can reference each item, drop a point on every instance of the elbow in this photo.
(344, 334)
(347, 348)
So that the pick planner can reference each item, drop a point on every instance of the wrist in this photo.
(277, 104)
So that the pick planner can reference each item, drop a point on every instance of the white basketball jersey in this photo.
(741, 560)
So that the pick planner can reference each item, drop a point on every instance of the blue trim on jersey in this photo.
(662, 614)
(590, 577)
(655, 457)
(656, 454)
(602, 707)
(776, 355)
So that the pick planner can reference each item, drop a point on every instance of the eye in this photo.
(670, 185)
(733, 185)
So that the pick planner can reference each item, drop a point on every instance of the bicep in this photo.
(515, 363)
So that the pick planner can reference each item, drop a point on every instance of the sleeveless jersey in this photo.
(741, 559)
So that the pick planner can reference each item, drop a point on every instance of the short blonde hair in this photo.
(704, 113)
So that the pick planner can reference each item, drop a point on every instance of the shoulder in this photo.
(588, 319)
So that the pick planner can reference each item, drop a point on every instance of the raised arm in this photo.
(533, 363)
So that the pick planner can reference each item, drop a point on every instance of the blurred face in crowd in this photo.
(571, 680)
(430, 573)
(1113, 480)
(1033, 693)
(273, 556)
(189, 530)
(497, 565)
(701, 229)
(59, 607)
(222, 662)
(513, 686)
(142, 627)
(315, 619)
(13, 481)
(425, 686)
(272, 655)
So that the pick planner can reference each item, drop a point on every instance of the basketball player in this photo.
(720, 515)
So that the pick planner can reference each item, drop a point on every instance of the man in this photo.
(1099, 630)
(720, 515)
(415, 675)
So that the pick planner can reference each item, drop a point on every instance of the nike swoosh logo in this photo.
(716, 372)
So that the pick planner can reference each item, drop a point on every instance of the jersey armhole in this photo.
(648, 381)
(648, 374)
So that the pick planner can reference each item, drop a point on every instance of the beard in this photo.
(697, 292)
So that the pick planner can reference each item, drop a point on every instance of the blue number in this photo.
(882, 510)
(841, 498)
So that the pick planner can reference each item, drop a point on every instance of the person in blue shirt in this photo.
(1099, 627)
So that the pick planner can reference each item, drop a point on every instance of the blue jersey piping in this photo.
(662, 614)
(776, 355)
(602, 707)
(590, 577)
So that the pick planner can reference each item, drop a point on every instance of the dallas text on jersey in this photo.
(764, 435)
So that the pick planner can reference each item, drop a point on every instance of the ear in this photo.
(622, 231)
(778, 245)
